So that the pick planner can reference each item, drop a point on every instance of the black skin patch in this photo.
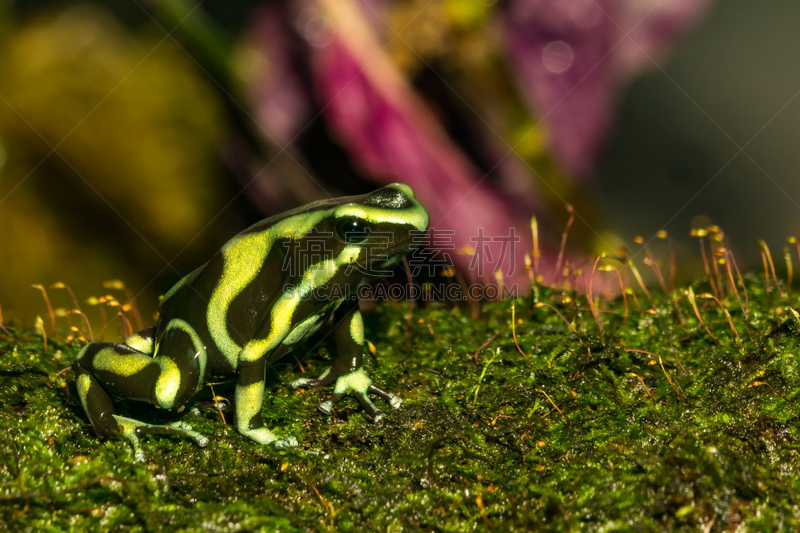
(388, 198)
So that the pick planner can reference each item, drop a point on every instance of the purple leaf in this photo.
(392, 135)
(280, 98)
(571, 59)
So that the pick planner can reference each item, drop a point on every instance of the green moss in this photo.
(591, 434)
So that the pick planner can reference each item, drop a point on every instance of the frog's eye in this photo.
(352, 230)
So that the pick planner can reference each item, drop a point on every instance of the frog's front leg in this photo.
(132, 371)
(347, 373)
(250, 399)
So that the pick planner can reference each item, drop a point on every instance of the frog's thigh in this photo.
(119, 369)
(107, 368)
(143, 341)
(182, 362)
(169, 379)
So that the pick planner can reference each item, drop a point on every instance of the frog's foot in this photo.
(132, 429)
(264, 436)
(358, 384)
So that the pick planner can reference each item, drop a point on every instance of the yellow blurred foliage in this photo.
(112, 153)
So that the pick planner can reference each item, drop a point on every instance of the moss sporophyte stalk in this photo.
(671, 409)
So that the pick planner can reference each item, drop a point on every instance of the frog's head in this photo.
(379, 228)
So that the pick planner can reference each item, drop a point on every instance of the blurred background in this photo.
(137, 136)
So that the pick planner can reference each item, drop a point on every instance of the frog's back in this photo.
(226, 300)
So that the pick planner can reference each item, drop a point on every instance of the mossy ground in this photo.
(587, 436)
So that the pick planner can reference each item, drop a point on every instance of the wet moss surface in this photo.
(600, 430)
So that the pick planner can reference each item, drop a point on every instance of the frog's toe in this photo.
(325, 379)
(326, 407)
(183, 429)
(358, 384)
(305, 383)
(132, 429)
(285, 443)
(264, 436)
(261, 435)
(394, 400)
(374, 413)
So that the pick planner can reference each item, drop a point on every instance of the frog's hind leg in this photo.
(130, 370)
(113, 364)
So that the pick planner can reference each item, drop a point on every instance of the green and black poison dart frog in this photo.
(267, 289)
